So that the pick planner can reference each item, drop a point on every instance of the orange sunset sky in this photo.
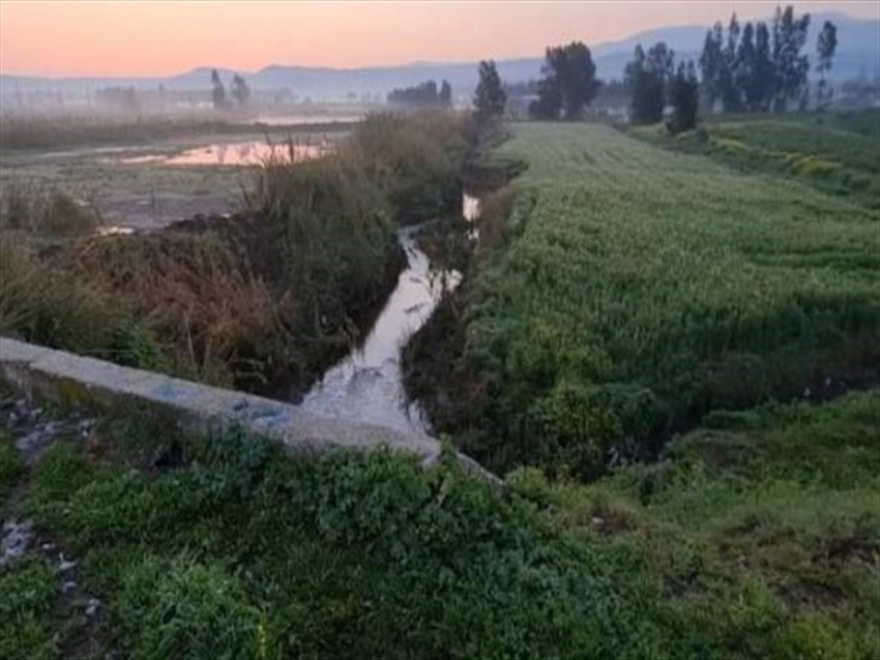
(166, 37)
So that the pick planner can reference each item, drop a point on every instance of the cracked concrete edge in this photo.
(71, 379)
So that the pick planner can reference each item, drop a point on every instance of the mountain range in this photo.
(858, 54)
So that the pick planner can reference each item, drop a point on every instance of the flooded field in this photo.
(233, 154)
(367, 384)
(147, 186)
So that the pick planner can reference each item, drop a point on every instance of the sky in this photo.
(161, 37)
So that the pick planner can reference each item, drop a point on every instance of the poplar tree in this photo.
(489, 98)
(826, 45)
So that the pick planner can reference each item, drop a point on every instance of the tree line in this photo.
(425, 94)
(752, 68)
(655, 81)
(568, 85)
(241, 92)
(758, 68)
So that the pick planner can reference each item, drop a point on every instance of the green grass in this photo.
(756, 539)
(837, 153)
(779, 507)
(640, 289)
(27, 596)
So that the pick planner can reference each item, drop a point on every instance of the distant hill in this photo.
(858, 53)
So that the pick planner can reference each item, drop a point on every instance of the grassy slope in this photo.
(642, 287)
(758, 540)
(838, 153)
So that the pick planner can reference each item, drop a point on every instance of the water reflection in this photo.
(240, 153)
(114, 230)
(470, 207)
(368, 384)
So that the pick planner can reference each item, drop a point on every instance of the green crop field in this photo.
(838, 154)
(642, 288)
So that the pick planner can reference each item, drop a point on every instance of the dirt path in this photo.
(82, 622)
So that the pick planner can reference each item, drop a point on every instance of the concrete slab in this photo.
(72, 379)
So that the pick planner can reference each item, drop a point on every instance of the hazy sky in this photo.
(164, 37)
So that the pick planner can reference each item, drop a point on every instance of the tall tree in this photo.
(731, 96)
(241, 92)
(790, 66)
(684, 95)
(489, 98)
(711, 64)
(826, 45)
(445, 93)
(645, 76)
(218, 91)
(548, 105)
(661, 60)
(648, 76)
(569, 82)
(719, 62)
(763, 72)
(578, 78)
(744, 72)
(753, 74)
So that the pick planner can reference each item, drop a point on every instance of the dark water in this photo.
(367, 385)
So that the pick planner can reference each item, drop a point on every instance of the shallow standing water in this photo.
(225, 153)
(367, 385)
(470, 207)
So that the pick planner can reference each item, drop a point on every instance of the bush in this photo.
(339, 242)
(415, 161)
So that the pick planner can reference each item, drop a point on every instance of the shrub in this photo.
(415, 161)
(338, 238)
